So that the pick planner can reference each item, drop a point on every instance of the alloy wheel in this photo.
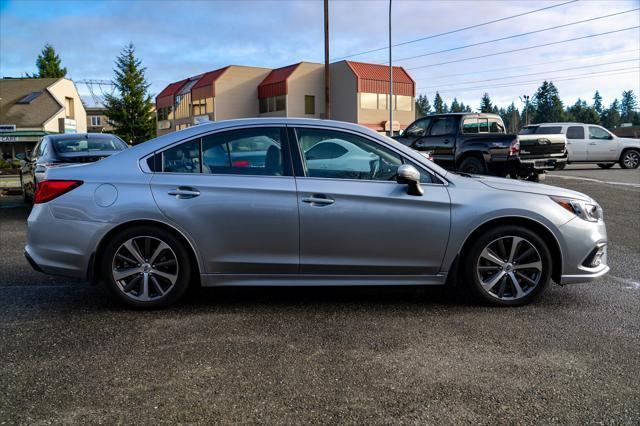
(145, 268)
(631, 159)
(509, 268)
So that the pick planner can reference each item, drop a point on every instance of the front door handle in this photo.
(184, 192)
(318, 200)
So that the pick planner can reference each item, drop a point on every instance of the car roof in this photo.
(461, 114)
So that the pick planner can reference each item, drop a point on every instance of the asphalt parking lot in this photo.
(349, 355)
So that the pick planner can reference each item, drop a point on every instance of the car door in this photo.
(233, 192)
(365, 223)
(602, 146)
(440, 140)
(576, 143)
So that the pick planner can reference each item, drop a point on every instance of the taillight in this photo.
(47, 190)
(514, 148)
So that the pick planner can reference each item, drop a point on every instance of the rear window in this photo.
(87, 146)
(529, 130)
(549, 130)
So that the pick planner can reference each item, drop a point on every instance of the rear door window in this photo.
(575, 132)
(184, 158)
(443, 126)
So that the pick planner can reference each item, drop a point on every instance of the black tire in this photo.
(471, 264)
(606, 165)
(561, 166)
(473, 165)
(630, 159)
(177, 250)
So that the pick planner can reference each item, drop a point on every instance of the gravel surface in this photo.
(68, 354)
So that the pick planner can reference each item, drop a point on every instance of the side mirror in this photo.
(401, 132)
(21, 156)
(410, 176)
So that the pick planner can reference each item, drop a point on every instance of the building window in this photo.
(96, 120)
(309, 104)
(404, 103)
(165, 113)
(273, 103)
(369, 100)
(70, 112)
(199, 107)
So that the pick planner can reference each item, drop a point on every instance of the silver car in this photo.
(216, 205)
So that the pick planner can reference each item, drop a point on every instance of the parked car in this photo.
(64, 150)
(148, 232)
(477, 143)
(590, 143)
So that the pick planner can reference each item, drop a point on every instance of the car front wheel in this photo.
(508, 266)
(630, 159)
(146, 267)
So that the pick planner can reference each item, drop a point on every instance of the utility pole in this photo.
(525, 99)
(390, 78)
(327, 76)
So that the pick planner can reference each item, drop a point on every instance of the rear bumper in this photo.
(543, 164)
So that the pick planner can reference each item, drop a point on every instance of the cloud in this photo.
(175, 39)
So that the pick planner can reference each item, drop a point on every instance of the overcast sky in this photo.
(176, 39)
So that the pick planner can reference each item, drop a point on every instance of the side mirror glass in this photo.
(401, 132)
(410, 176)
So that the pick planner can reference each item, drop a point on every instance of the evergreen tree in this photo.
(445, 108)
(611, 116)
(583, 113)
(547, 104)
(628, 107)
(511, 119)
(49, 64)
(438, 104)
(467, 108)
(455, 106)
(485, 103)
(423, 107)
(597, 102)
(131, 111)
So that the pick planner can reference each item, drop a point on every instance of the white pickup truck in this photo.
(590, 143)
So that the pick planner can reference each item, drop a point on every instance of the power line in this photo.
(455, 31)
(607, 73)
(530, 74)
(515, 36)
(573, 59)
(524, 48)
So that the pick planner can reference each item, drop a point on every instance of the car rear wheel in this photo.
(606, 165)
(473, 165)
(508, 266)
(630, 159)
(146, 267)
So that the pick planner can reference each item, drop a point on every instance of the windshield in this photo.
(88, 144)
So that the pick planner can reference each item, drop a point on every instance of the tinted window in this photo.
(483, 125)
(88, 145)
(325, 151)
(529, 130)
(243, 152)
(549, 130)
(470, 125)
(598, 133)
(184, 158)
(575, 132)
(496, 125)
(418, 129)
(443, 126)
(362, 159)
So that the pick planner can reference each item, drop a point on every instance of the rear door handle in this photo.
(184, 192)
(318, 200)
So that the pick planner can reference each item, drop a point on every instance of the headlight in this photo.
(590, 212)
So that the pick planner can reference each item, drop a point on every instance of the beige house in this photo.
(359, 94)
(221, 94)
(293, 91)
(33, 107)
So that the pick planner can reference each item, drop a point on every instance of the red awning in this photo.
(205, 87)
(275, 84)
(374, 78)
(165, 98)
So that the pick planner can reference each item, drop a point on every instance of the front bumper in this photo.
(582, 241)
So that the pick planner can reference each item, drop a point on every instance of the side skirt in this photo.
(218, 280)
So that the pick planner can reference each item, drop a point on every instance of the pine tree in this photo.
(628, 106)
(131, 111)
(611, 116)
(455, 106)
(423, 107)
(438, 104)
(485, 103)
(582, 113)
(511, 119)
(49, 64)
(547, 104)
(597, 102)
(445, 108)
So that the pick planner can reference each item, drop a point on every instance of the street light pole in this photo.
(327, 76)
(390, 78)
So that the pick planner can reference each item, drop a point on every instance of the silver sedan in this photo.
(158, 217)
